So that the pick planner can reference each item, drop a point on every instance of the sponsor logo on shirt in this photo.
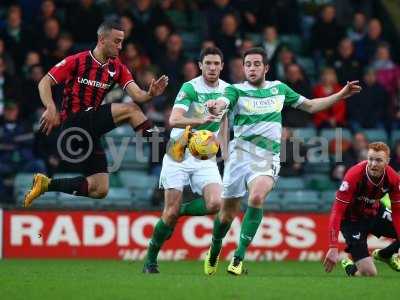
(344, 186)
(366, 200)
(93, 83)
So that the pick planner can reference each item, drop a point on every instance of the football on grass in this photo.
(203, 144)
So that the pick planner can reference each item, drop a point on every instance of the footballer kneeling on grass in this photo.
(358, 212)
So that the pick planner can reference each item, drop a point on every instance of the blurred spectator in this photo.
(334, 116)
(172, 61)
(134, 59)
(358, 151)
(296, 80)
(245, 45)
(347, 67)
(51, 31)
(91, 15)
(215, 13)
(372, 102)
(146, 16)
(236, 72)
(228, 38)
(284, 14)
(354, 154)
(7, 58)
(32, 58)
(9, 86)
(190, 70)
(16, 37)
(358, 29)
(64, 48)
(395, 159)
(16, 142)
(326, 33)
(31, 105)
(160, 37)
(129, 28)
(271, 43)
(286, 58)
(48, 10)
(395, 105)
(383, 59)
(292, 154)
(388, 72)
(207, 44)
(366, 47)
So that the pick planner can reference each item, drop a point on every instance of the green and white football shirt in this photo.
(192, 97)
(257, 114)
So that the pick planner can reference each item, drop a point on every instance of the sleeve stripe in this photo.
(126, 84)
(347, 202)
(299, 101)
(52, 77)
(181, 106)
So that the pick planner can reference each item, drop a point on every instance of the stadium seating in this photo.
(303, 200)
(305, 133)
(290, 183)
(376, 135)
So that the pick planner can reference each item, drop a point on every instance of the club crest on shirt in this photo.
(180, 95)
(61, 63)
(274, 91)
(344, 186)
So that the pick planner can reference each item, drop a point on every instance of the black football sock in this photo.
(390, 250)
(351, 269)
(75, 186)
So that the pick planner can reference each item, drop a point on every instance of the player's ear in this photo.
(266, 69)
(222, 65)
(200, 65)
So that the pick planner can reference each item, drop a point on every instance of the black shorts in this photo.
(356, 233)
(79, 144)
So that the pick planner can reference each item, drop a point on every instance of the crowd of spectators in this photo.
(313, 46)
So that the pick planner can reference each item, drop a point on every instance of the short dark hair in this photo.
(257, 50)
(109, 25)
(211, 51)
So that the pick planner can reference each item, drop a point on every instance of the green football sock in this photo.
(219, 232)
(161, 233)
(196, 207)
(251, 221)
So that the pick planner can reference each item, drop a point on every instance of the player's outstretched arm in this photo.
(50, 118)
(157, 87)
(178, 119)
(318, 104)
(223, 137)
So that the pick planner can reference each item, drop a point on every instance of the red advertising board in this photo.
(125, 235)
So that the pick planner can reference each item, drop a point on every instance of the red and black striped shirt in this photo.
(87, 81)
(359, 198)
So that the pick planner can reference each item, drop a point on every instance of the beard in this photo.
(257, 81)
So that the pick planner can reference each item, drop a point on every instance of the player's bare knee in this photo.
(171, 215)
(213, 205)
(256, 199)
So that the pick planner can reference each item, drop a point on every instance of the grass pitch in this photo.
(95, 279)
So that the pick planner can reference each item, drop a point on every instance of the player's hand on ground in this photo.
(331, 259)
(351, 88)
(49, 120)
(158, 86)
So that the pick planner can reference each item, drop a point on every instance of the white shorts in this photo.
(242, 167)
(191, 171)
